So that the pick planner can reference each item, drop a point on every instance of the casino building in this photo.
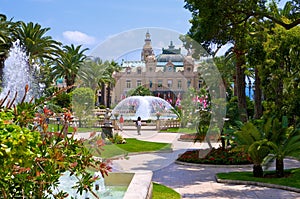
(167, 75)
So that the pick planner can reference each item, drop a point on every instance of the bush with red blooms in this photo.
(215, 156)
(33, 159)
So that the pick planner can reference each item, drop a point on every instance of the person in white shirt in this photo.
(139, 125)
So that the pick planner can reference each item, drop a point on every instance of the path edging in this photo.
(214, 165)
(261, 184)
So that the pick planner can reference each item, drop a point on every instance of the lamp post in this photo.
(58, 121)
(158, 114)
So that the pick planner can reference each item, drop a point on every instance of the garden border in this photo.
(260, 184)
(214, 165)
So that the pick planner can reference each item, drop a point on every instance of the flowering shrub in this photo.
(33, 159)
(217, 156)
(196, 137)
(117, 139)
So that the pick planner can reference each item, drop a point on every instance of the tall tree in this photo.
(216, 23)
(38, 45)
(110, 68)
(91, 73)
(7, 27)
(68, 62)
(280, 76)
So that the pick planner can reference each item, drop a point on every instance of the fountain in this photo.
(16, 73)
(114, 186)
(100, 188)
(146, 107)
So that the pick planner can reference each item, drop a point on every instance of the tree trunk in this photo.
(241, 84)
(234, 86)
(102, 101)
(108, 97)
(257, 96)
(1, 71)
(279, 167)
(257, 170)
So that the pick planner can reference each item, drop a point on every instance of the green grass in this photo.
(178, 130)
(54, 127)
(132, 146)
(163, 192)
(292, 180)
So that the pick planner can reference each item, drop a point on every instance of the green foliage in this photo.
(217, 156)
(163, 192)
(269, 139)
(62, 100)
(68, 62)
(117, 139)
(33, 159)
(179, 130)
(83, 102)
(280, 76)
(37, 43)
(291, 180)
(132, 146)
(249, 138)
(202, 125)
(283, 142)
(140, 91)
(191, 110)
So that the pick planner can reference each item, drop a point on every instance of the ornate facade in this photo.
(167, 75)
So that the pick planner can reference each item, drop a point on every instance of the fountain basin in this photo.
(139, 184)
(115, 186)
(146, 107)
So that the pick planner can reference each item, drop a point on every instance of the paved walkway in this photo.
(191, 181)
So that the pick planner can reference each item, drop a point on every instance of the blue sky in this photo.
(93, 21)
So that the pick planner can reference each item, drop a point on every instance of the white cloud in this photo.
(78, 37)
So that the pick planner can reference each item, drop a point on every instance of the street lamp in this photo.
(58, 121)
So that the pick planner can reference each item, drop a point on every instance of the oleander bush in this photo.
(217, 156)
(33, 159)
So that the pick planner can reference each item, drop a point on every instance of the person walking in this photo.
(139, 125)
(121, 121)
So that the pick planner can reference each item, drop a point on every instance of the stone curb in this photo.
(239, 182)
(213, 165)
(261, 184)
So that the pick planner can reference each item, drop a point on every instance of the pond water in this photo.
(104, 192)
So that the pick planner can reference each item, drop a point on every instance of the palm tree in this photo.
(6, 30)
(283, 142)
(139, 91)
(107, 81)
(38, 45)
(250, 139)
(110, 68)
(91, 73)
(68, 63)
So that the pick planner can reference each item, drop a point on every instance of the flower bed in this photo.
(215, 156)
(194, 136)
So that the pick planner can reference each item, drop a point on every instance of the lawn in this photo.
(54, 127)
(178, 130)
(163, 192)
(291, 180)
(132, 146)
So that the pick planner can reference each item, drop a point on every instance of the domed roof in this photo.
(170, 54)
(170, 57)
